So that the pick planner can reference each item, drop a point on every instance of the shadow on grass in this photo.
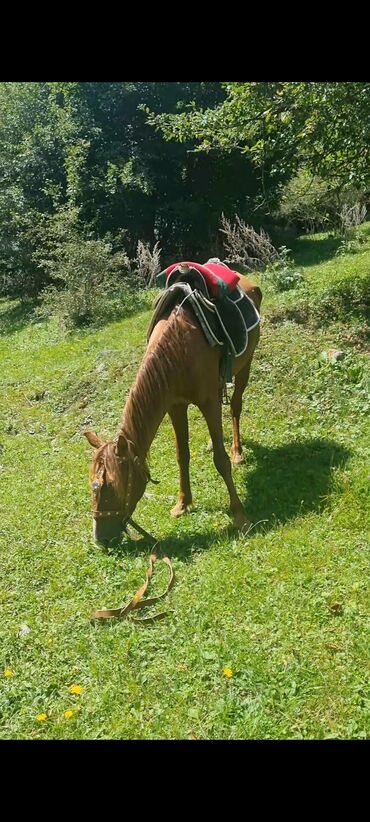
(175, 546)
(292, 480)
(289, 481)
(15, 315)
(311, 251)
(120, 305)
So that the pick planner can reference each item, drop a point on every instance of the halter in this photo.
(123, 514)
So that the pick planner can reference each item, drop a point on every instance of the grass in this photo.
(316, 258)
(286, 609)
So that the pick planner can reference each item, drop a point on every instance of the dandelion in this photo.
(68, 714)
(228, 672)
(8, 672)
(75, 689)
(41, 717)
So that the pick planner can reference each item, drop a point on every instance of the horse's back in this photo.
(250, 288)
(200, 372)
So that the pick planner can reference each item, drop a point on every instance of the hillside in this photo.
(285, 608)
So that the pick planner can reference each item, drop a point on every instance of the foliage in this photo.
(351, 218)
(310, 204)
(246, 246)
(88, 145)
(148, 263)
(254, 251)
(282, 127)
(281, 273)
(83, 269)
(93, 146)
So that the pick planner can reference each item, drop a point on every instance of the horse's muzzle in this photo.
(107, 532)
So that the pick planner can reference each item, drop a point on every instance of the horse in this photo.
(179, 368)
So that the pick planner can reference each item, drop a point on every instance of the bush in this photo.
(281, 273)
(254, 251)
(346, 297)
(147, 263)
(351, 217)
(308, 203)
(247, 247)
(312, 204)
(19, 274)
(83, 269)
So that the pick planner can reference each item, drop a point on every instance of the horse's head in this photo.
(118, 479)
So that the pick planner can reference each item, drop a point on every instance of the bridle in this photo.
(124, 514)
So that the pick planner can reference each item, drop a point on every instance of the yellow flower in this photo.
(75, 689)
(41, 717)
(8, 672)
(68, 714)
(228, 672)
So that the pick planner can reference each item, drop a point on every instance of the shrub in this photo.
(351, 217)
(308, 202)
(83, 269)
(281, 274)
(255, 251)
(346, 297)
(147, 263)
(246, 246)
(313, 204)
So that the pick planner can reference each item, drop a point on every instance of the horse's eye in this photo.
(95, 485)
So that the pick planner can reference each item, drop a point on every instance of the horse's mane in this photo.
(150, 386)
(153, 378)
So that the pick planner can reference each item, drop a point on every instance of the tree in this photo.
(282, 127)
(89, 146)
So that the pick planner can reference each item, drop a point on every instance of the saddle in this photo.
(224, 312)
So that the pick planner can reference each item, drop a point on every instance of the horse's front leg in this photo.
(212, 413)
(179, 419)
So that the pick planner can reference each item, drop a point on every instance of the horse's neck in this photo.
(149, 399)
(142, 435)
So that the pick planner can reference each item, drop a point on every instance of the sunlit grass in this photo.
(284, 610)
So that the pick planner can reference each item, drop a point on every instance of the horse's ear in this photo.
(122, 446)
(93, 439)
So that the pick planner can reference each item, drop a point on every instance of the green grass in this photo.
(285, 608)
(325, 271)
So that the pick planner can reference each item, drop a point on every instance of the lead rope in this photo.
(137, 601)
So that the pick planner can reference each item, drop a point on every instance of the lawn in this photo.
(268, 635)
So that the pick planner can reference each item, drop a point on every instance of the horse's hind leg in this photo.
(210, 443)
(179, 419)
(212, 413)
(241, 381)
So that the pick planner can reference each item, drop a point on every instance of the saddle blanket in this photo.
(224, 312)
(220, 279)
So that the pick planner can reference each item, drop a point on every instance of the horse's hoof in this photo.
(237, 459)
(181, 509)
(242, 523)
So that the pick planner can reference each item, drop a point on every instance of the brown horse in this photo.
(179, 368)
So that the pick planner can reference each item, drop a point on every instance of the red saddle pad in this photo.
(214, 273)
